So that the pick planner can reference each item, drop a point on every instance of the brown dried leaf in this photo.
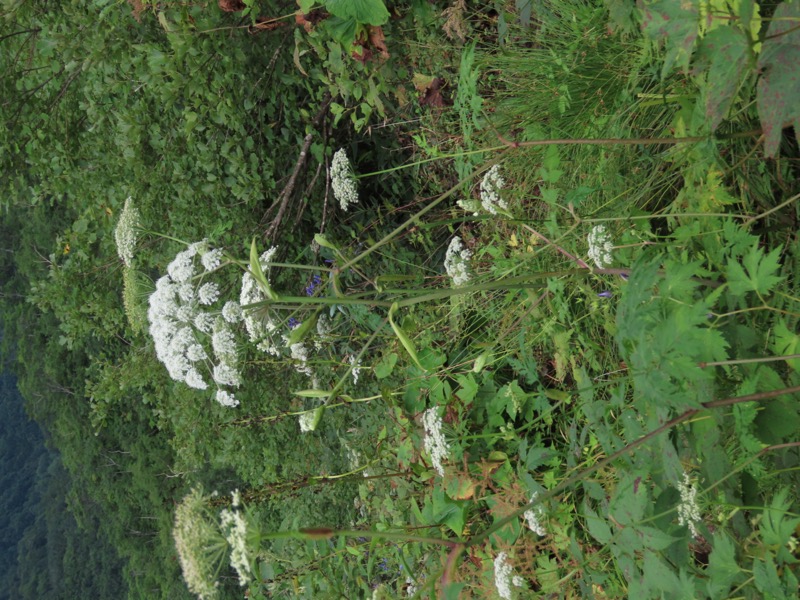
(378, 42)
(231, 5)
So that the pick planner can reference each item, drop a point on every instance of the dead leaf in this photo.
(310, 20)
(231, 5)
(378, 42)
(432, 94)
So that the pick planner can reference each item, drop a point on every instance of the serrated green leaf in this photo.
(757, 273)
(785, 342)
(722, 567)
(371, 12)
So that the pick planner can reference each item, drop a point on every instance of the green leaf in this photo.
(299, 332)
(404, 339)
(725, 52)
(766, 579)
(675, 24)
(758, 273)
(779, 85)
(786, 342)
(597, 526)
(312, 393)
(371, 12)
(385, 366)
(722, 568)
(776, 528)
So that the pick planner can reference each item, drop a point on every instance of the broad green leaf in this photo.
(726, 52)
(675, 24)
(385, 366)
(779, 86)
(767, 580)
(597, 526)
(457, 485)
(299, 332)
(757, 273)
(722, 567)
(371, 12)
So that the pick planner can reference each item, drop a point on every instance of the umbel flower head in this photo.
(491, 185)
(179, 327)
(435, 443)
(456, 262)
(688, 511)
(345, 189)
(600, 246)
(125, 233)
(199, 543)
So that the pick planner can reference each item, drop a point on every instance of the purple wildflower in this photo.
(605, 294)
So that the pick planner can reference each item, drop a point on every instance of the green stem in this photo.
(411, 220)
(742, 361)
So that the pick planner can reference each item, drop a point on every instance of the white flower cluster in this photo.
(435, 443)
(343, 182)
(178, 325)
(356, 372)
(308, 421)
(600, 246)
(193, 534)
(299, 352)
(235, 529)
(502, 576)
(258, 323)
(688, 511)
(491, 185)
(533, 517)
(125, 233)
(456, 262)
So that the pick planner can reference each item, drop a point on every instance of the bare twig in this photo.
(286, 194)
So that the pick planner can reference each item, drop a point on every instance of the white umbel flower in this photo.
(534, 516)
(235, 529)
(456, 262)
(308, 421)
(435, 443)
(226, 399)
(125, 233)
(491, 185)
(211, 259)
(232, 312)
(208, 293)
(502, 576)
(600, 246)
(342, 180)
(259, 327)
(688, 511)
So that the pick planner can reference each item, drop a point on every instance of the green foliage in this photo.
(406, 432)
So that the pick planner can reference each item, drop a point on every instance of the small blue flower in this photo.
(293, 323)
(605, 294)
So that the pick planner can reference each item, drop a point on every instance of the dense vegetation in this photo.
(451, 299)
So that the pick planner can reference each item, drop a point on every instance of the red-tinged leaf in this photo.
(725, 52)
(674, 23)
(779, 87)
